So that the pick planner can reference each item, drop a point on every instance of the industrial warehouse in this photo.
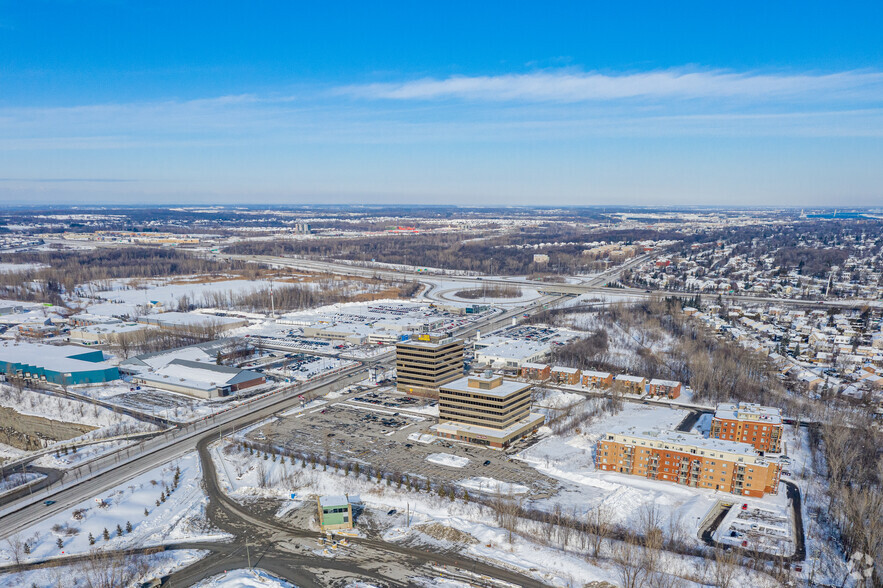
(57, 364)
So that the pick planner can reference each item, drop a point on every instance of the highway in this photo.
(593, 285)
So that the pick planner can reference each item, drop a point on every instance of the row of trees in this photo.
(57, 272)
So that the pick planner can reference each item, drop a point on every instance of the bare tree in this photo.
(599, 525)
(16, 547)
(725, 567)
(629, 562)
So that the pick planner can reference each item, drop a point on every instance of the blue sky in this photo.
(772, 103)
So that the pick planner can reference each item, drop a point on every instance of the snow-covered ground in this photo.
(483, 485)
(56, 408)
(446, 459)
(162, 403)
(132, 571)
(435, 520)
(6, 268)
(250, 578)
(569, 459)
(15, 480)
(130, 515)
(169, 294)
(807, 472)
(421, 438)
(63, 460)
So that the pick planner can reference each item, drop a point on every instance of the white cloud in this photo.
(570, 86)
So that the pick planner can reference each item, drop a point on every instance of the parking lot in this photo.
(375, 430)
(764, 528)
(157, 402)
(388, 398)
(537, 333)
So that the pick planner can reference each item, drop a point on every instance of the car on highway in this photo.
(487, 462)
(48, 502)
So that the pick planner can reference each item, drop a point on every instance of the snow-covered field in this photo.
(251, 578)
(125, 516)
(169, 294)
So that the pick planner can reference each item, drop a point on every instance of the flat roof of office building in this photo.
(506, 388)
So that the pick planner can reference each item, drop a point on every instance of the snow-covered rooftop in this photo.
(747, 411)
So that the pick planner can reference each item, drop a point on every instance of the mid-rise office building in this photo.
(426, 362)
(689, 459)
(487, 410)
(760, 426)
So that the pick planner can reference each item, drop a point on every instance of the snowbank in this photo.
(446, 459)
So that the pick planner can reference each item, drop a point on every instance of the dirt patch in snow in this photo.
(446, 533)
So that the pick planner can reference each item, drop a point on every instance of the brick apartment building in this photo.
(536, 371)
(566, 376)
(597, 379)
(759, 426)
(666, 388)
(689, 459)
(630, 384)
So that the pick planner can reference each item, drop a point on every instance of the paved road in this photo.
(291, 552)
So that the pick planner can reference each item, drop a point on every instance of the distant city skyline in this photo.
(498, 104)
